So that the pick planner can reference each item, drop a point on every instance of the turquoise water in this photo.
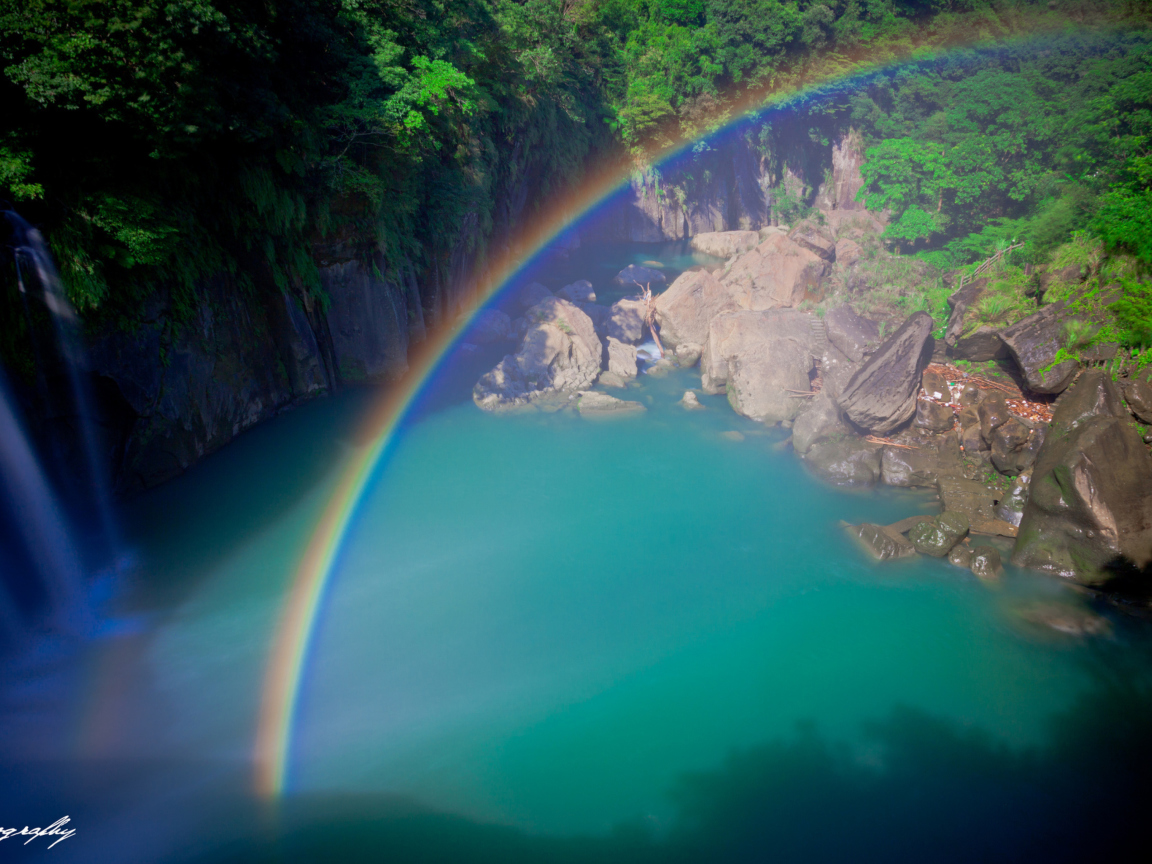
(551, 638)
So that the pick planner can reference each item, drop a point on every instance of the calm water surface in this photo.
(551, 638)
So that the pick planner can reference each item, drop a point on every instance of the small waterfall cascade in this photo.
(53, 541)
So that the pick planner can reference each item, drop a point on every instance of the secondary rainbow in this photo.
(293, 636)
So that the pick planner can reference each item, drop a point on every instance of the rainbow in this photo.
(293, 636)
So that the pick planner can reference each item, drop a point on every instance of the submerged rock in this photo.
(763, 359)
(1066, 618)
(686, 309)
(560, 352)
(1091, 489)
(881, 396)
(936, 538)
(724, 244)
(881, 543)
(640, 276)
(848, 461)
(593, 403)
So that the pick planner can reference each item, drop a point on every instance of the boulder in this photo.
(490, 325)
(611, 379)
(853, 334)
(579, 291)
(621, 358)
(848, 252)
(690, 401)
(960, 556)
(935, 386)
(986, 563)
(815, 239)
(881, 396)
(592, 403)
(880, 543)
(560, 353)
(819, 422)
(970, 396)
(933, 416)
(846, 461)
(1009, 445)
(633, 274)
(1091, 490)
(918, 466)
(763, 359)
(1011, 506)
(993, 413)
(626, 321)
(965, 338)
(936, 538)
(836, 370)
(599, 315)
(686, 309)
(531, 294)
(1138, 395)
(688, 354)
(725, 244)
(778, 272)
(1034, 342)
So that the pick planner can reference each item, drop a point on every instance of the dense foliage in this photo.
(161, 142)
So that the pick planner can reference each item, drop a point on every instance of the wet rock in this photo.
(777, 273)
(881, 396)
(986, 563)
(993, 413)
(690, 401)
(970, 396)
(1091, 489)
(621, 358)
(590, 402)
(851, 333)
(1138, 395)
(847, 461)
(1008, 444)
(933, 416)
(902, 466)
(531, 294)
(491, 325)
(579, 291)
(686, 309)
(626, 321)
(974, 500)
(725, 244)
(641, 276)
(1034, 342)
(687, 354)
(881, 544)
(960, 556)
(815, 239)
(763, 359)
(936, 538)
(819, 422)
(1066, 618)
(1011, 506)
(560, 352)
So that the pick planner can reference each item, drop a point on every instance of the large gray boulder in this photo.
(763, 360)
(634, 274)
(621, 358)
(686, 309)
(853, 334)
(1138, 394)
(881, 396)
(1034, 343)
(1090, 497)
(819, 422)
(560, 353)
(725, 244)
(626, 321)
(846, 461)
(777, 273)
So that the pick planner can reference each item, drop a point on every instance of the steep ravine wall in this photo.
(170, 392)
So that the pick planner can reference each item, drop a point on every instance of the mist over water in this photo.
(552, 638)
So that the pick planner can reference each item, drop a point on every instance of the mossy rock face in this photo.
(936, 538)
(986, 563)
